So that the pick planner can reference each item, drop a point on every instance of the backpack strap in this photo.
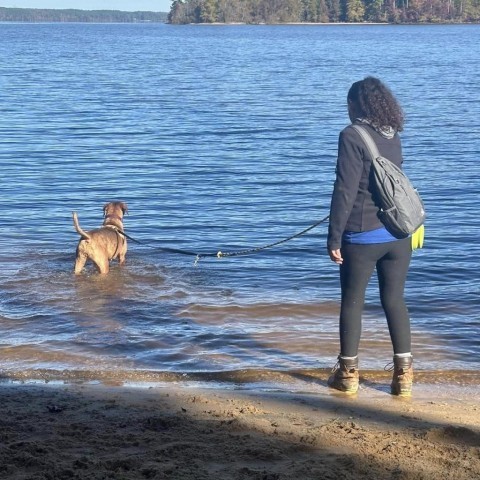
(368, 140)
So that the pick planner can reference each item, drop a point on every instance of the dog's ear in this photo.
(124, 207)
(105, 208)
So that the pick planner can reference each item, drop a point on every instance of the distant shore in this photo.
(37, 15)
(44, 15)
(291, 23)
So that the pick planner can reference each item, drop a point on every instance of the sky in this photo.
(125, 5)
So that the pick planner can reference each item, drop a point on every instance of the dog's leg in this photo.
(102, 264)
(121, 258)
(80, 263)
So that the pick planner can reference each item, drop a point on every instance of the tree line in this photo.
(324, 11)
(82, 16)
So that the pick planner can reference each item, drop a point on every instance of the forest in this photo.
(324, 11)
(87, 16)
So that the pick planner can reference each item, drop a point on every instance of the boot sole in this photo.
(348, 390)
(399, 392)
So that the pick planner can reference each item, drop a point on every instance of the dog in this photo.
(105, 243)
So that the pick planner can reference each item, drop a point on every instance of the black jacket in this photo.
(352, 207)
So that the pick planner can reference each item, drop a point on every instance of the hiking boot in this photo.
(344, 375)
(402, 376)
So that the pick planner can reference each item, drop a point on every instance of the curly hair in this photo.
(376, 103)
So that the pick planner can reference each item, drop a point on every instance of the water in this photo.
(221, 138)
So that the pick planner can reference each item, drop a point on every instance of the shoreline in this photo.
(251, 376)
(195, 431)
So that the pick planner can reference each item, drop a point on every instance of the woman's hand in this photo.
(336, 256)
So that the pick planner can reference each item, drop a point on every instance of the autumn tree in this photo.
(374, 11)
(282, 11)
(355, 11)
(208, 11)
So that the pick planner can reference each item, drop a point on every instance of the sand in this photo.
(193, 431)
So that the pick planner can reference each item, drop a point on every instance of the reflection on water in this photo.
(153, 320)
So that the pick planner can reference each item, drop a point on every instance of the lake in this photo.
(222, 138)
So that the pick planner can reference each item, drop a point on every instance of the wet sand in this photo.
(260, 432)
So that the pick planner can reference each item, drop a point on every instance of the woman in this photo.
(359, 243)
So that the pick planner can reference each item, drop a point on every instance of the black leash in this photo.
(219, 254)
(129, 237)
(169, 250)
(258, 249)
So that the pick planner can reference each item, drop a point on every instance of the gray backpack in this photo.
(401, 208)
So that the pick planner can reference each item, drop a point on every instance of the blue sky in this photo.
(126, 5)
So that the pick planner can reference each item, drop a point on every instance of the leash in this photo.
(220, 254)
(169, 250)
(258, 249)
(129, 237)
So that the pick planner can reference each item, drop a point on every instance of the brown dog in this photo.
(105, 243)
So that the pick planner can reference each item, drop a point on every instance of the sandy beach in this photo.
(192, 431)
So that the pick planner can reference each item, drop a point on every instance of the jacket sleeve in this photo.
(348, 175)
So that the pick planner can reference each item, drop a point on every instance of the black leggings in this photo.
(392, 260)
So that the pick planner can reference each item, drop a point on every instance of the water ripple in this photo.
(221, 139)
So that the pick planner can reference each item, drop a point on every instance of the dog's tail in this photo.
(78, 228)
